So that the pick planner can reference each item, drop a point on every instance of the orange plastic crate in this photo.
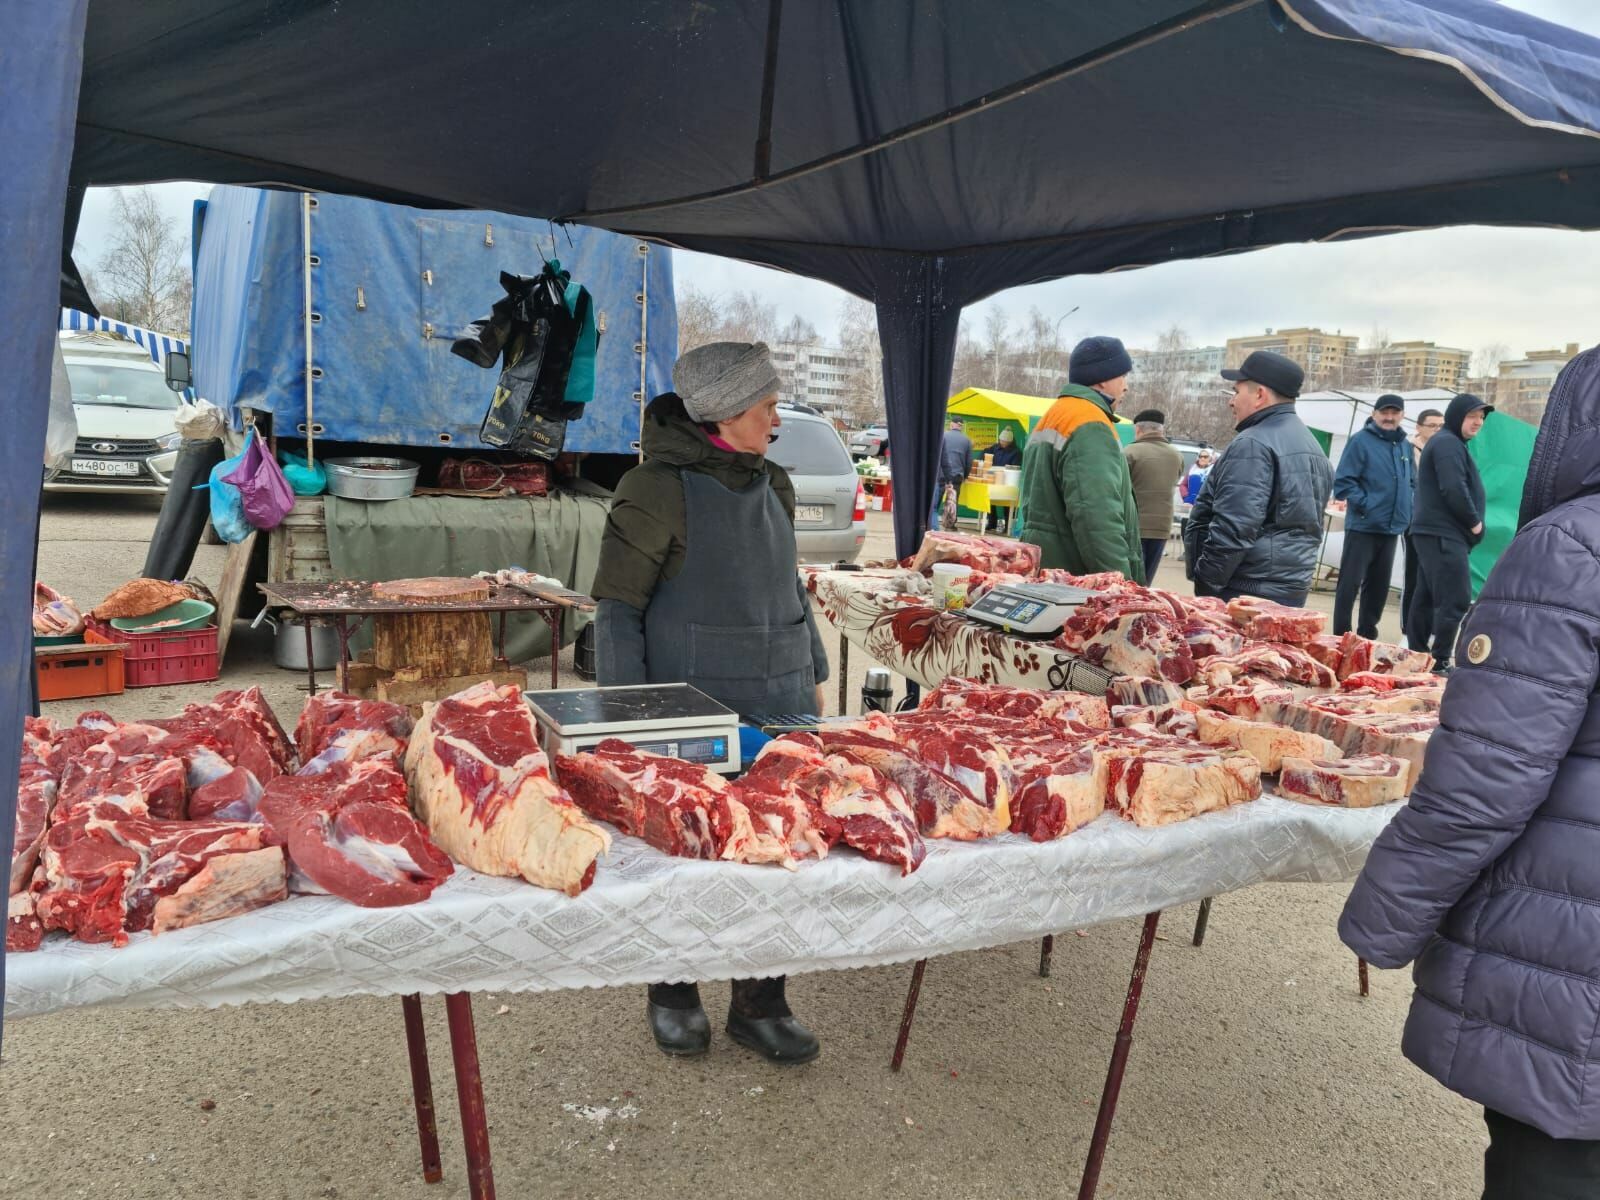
(75, 672)
(163, 659)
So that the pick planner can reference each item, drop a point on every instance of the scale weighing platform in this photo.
(673, 719)
(1030, 609)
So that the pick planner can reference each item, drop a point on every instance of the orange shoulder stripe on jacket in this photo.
(1069, 414)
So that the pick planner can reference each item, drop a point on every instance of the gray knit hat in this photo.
(720, 380)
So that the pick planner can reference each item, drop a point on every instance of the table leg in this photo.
(422, 1088)
(469, 1091)
(1200, 920)
(1119, 1062)
(909, 1013)
(552, 618)
(844, 676)
(1046, 948)
(1361, 975)
(500, 649)
(311, 659)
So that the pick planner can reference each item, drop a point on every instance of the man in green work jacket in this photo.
(1077, 497)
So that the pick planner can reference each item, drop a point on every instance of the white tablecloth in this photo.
(650, 917)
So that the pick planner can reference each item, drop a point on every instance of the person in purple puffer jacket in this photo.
(1490, 877)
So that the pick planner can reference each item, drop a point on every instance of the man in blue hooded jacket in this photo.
(1375, 480)
(1489, 877)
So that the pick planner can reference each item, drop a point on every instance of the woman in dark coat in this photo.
(698, 584)
(1490, 877)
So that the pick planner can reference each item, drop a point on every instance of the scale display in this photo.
(1029, 608)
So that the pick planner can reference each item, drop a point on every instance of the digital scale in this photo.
(673, 719)
(1032, 609)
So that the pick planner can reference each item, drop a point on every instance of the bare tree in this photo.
(863, 385)
(699, 317)
(799, 331)
(970, 368)
(1378, 343)
(144, 278)
(1486, 362)
(996, 341)
(748, 318)
(1162, 378)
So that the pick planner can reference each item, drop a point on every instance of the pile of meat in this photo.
(129, 826)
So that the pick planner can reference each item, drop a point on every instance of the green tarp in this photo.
(1502, 450)
(556, 535)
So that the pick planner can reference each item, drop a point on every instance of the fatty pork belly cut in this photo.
(349, 832)
(1272, 660)
(677, 807)
(1002, 700)
(335, 726)
(1364, 782)
(1269, 622)
(989, 554)
(103, 869)
(482, 785)
(1268, 744)
(1157, 780)
(869, 812)
(944, 808)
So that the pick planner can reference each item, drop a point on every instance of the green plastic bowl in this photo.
(185, 614)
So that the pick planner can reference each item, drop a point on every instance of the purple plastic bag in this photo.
(266, 493)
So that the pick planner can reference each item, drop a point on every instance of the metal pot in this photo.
(289, 647)
(371, 478)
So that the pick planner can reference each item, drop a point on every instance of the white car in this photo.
(126, 440)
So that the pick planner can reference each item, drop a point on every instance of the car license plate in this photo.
(808, 514)
(103, 466)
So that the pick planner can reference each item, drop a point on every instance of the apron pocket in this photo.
(753, 669)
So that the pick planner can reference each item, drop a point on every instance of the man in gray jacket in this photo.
(1257, 525)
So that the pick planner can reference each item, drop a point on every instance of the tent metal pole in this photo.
(769, 90)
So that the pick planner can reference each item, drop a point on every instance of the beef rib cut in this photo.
(1269, 622)
(872, 814)
(1350, 782)
(1268, 744)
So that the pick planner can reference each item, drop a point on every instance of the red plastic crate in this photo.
(76, 672)
(163, 659)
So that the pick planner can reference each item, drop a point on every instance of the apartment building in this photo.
(1324, 356)
(1407, 367)
(817, 375)
(1523, 384)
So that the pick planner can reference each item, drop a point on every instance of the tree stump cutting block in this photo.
(435, 644)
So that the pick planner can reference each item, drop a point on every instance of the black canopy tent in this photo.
(923, 154)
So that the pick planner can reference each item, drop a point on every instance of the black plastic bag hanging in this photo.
(540, 332)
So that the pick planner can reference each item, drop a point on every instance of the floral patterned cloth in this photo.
(891, 614)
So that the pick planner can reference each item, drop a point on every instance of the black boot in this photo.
(1442, 668)
(759, 1019)
(677, 1020)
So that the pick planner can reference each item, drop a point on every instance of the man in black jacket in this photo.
(1257, 524)
(1446, 524)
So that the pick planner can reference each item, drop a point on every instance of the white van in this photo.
(126, 440)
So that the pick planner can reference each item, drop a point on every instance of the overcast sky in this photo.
(1465, 287)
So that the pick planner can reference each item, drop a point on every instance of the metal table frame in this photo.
(348, 605)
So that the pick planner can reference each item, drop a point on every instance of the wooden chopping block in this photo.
(434, 644)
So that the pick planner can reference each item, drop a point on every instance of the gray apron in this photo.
(732, 622)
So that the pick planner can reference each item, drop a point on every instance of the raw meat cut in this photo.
(1179, 720)
(482, 785)
(1273, 660)
(1378, 682)
(103, 870)
(943, 807)
(1357, 655)
(1328, 649)
(1144, 691)
(873, 816)
(968, 755)
(54, 615)
(677, 807)
(1206, 639)
(36, 799)
(1244, 699)
(349, 833)
(227, 886)
(140, 598)
(1269, 622)
(989, 554)
(1349, 782)
(784, 797)
(1268, 744)
(1060, 787)
(1001, 700)
(126, 763)
(1156, 780)
(1098, 582)
(1135, 643)
(1356, 733)
(335, 726)
(979, 583)
(1374, 700)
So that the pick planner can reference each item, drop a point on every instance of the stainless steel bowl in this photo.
(371, 478)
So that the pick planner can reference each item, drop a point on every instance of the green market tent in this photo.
(1502, 450)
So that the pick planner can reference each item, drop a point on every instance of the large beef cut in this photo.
(1243, 699)
(1136, 643)
(1269, 622)
(334, 726)
(1209, 639)
(962, 752)
(1001, 700)
(1357, 654)
(127, 762)
(1060, 786)
(1380, 700)
(678, 807)
(245, 721)
(1097, 582)
(229, 885)
(1376, 681)
(349, 833)
(1179, 720)
(990, 554)
(103, 869)
(1143, 691)
(1155, 780)
(1348, 782)
(870, 813)
(36, 798)
(1271, 660)
(943, 807)
(1268, 744)
(1400, 735)
(482, 786)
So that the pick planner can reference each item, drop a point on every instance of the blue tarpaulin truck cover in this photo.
(391, 288)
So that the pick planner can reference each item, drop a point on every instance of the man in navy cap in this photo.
(1376, 480)
(1257, 525)
(1077, 497)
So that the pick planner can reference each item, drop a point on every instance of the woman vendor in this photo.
(697, 584)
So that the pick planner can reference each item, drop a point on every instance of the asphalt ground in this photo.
(1256, 1070)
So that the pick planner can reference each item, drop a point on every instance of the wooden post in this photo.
(434, 644)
